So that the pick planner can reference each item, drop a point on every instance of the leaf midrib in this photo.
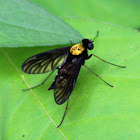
(44, 109)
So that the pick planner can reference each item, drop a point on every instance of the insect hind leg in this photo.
(39, 84)
(64, 114)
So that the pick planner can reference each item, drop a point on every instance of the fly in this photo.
(68, 61)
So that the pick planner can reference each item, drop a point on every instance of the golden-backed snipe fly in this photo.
(68, 61)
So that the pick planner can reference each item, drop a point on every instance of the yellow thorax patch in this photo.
(77, 49)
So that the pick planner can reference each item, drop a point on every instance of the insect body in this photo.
(68, 61)
(77, 49)
(67, 74)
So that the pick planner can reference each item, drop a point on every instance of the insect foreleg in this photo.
(108, 62)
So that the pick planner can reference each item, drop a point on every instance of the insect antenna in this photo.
(95, 36)
(64, 114)
(97, 76)
(39, 84)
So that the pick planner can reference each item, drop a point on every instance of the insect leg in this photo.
(39, 84)
(89, 56)
(109, 62)
(71, 42)
(97, 75)
(64, 114)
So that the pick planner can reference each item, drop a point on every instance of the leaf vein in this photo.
(42, 106)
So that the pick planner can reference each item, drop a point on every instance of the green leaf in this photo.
(95, 109)
(120, 12)
(26, 24)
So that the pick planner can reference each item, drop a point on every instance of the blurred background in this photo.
(121, 12)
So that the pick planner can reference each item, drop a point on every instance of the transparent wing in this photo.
(46, 61)
(65, 82)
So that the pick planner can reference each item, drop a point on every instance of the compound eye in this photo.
(90, 46)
